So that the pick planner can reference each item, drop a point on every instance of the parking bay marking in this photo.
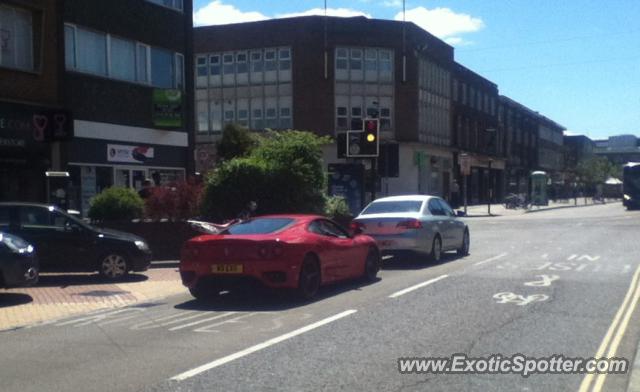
(415, 287)
(221, 361)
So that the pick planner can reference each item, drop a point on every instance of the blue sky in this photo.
(575, 61)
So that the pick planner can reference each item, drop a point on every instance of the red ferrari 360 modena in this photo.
(301, 252)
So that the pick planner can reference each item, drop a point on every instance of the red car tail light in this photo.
(410, 224)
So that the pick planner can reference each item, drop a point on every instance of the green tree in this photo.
(283, 174)
(237, 141)
(595, 170)
(115, 204)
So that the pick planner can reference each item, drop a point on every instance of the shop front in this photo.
(95, 165)
(27, 133)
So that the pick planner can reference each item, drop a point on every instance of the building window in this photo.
(105, 55)
(386, 65)
(142, 63)
(214, 65)
(356, 60)
(241, 63)
(228, 65)
(270, 60)
(341, 59)
(70, 47)
(91, 52)
(201, 66)
(342, 117)
(173, 4)
(284, 57)
(161, 68)
(16, 38)
(202, 113)
(123, 59)
(256, 61)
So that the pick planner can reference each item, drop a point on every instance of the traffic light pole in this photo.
(374, 178)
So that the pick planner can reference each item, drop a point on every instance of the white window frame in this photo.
(178, 77)
(147, 50)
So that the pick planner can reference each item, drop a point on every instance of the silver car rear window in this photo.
(385, 207)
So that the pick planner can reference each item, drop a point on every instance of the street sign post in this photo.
(464, 160)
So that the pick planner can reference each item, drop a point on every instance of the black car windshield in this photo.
(385, 207)
(259, 226)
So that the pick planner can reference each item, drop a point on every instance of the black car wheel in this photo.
(309, 281)
(204, 291)
(436, 249)
(466, 242)
(113, 266)
(372, 266)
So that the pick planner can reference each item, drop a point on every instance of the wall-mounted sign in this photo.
(167, 108)
(33, 124)
(129, 154)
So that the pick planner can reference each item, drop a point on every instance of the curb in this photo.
(561, 207)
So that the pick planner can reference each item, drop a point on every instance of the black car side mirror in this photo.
(460, 213)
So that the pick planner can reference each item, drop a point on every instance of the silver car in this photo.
(413, 223)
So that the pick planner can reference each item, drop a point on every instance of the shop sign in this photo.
(21, 125)
(167, 108)
(129, 154)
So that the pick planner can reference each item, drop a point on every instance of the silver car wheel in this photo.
(113, 266)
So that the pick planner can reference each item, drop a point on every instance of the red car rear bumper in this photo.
(271, 273)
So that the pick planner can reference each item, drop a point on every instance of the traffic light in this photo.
(362, 143)
(371, 137)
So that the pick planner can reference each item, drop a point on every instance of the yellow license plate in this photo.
(227, 268)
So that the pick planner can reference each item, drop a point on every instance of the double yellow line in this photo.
(594, 382)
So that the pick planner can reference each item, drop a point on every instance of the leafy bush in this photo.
(336, 208)
(236, 142)
(283, 174)
(176, 202)
(116, 203)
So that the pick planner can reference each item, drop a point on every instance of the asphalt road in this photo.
(539, 284)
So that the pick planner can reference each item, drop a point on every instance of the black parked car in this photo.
(18, 262)
(67, 244)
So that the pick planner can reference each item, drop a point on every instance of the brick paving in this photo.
(61, 295)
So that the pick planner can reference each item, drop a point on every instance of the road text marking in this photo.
(419, 285)
(260, 346)
(545, 280)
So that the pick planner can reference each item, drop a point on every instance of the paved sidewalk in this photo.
(61, 295)
(481, 210)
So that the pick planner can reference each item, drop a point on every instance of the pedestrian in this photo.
(455, 194)
(147, 188)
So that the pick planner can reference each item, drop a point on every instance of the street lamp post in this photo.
(491, 132)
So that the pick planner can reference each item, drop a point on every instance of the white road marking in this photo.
(501, 255)
(520, 300)
(420, 285)
(201, 321)
(155, 323)
(260, 346)
(545, 280)
(86, 320)
(571, 257)
(235, 320)
(587, 257)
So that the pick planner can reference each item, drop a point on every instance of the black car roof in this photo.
(24, 204)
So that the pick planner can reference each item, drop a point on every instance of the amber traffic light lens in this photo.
(371, 137)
